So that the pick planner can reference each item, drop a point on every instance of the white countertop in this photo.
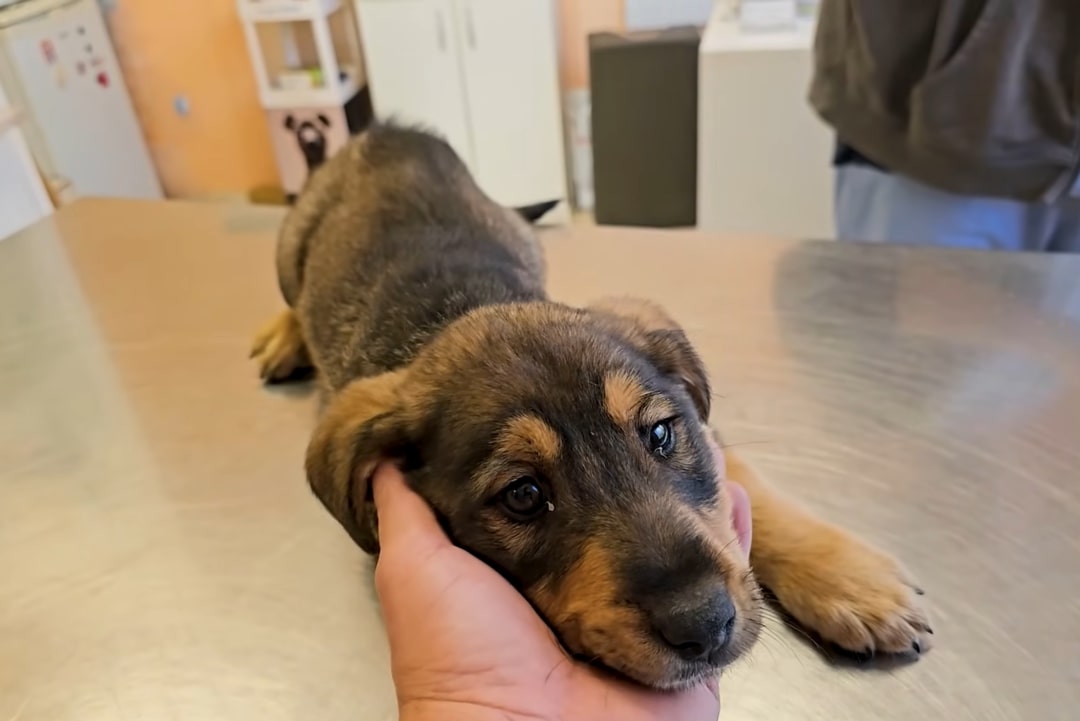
(724, 33)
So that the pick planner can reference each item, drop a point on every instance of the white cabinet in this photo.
(763, 156)
(484, 74)
(411, 50)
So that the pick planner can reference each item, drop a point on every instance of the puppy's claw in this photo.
(865, 656)
(920, 625)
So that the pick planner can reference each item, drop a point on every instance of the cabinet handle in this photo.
(440, 30)
(470, 31)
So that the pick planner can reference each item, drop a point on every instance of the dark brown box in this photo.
(644, 126)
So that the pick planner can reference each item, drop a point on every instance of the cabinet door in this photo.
(511, 79)
(413, 66)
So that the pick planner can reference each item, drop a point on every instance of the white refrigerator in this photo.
(23, 198)
(57, 65)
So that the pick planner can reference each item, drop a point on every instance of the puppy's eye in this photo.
(661, 439)
(524, 499)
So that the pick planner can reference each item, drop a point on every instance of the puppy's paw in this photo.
(279, 348)
(855, 597)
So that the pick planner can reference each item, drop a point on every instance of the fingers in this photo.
(740, 501)
(741, 517)
(699, 702)
(718, 456)
(407, 524)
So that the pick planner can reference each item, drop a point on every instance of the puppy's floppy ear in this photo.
(663, 342)
(364, 424)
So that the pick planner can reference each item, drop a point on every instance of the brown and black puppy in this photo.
(566, 447)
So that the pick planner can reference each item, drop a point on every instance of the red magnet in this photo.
(49, 51)
(103, 79)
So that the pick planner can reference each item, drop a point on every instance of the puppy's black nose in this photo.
(698, 634)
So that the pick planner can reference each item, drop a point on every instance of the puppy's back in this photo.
(389, 241)
(365, 186)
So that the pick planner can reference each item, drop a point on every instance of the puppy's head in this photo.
(567, 449)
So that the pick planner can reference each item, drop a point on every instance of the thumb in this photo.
(407, 524)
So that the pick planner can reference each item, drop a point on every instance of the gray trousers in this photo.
(886, 207)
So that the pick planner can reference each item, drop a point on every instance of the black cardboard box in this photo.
(644, 126)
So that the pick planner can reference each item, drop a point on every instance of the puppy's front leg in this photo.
(835, 585)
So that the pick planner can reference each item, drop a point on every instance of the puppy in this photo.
(566, 447)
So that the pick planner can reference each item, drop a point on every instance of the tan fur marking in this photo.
(623, 396)
(648, 326)
(530, 437)
(583, 606)
(589, 586)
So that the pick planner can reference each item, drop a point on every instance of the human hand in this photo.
(466, 646)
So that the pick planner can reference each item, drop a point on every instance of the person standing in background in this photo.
(957, 121)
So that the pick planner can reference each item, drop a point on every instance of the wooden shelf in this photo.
(279, 11)
(338, 93)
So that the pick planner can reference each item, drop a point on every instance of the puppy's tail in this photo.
(533, 213)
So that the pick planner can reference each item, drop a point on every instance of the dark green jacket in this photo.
(979, 97)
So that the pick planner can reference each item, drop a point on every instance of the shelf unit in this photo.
(310, 73)
(304, 52)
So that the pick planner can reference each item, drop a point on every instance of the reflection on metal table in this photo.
(162, 557)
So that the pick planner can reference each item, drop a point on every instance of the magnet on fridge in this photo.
(48, 50)
(80, 68)
(103, 79)
(60, 76)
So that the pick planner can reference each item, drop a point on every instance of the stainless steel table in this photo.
(161, 556)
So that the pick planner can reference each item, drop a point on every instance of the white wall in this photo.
(654, 14)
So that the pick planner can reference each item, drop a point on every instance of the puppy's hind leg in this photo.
(279, 349)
